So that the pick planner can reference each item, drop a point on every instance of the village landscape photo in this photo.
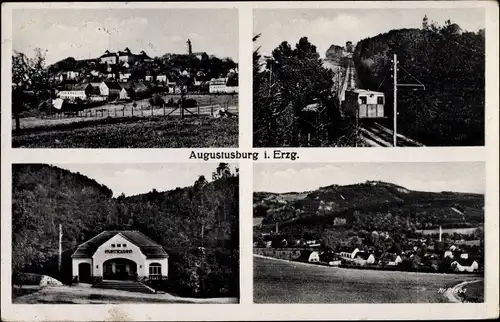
(124, 78)
(369, 233)
(381, 77)
(125, 233)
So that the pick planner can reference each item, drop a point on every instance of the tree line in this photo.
(197, 225)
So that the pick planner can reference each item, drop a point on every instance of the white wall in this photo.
(100, 256)
(162, 261)
(78, 261)
(103, 88)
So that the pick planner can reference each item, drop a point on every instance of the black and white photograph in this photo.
(124, 78)
(381, 77)
(125, 233)
(369, 233)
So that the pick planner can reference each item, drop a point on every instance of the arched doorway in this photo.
(84, 274)
(119, 269)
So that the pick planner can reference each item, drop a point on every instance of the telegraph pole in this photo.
(59, 263)
(395, 67)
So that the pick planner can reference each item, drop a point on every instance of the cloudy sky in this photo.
(80, 33)
(325, 27)
(439, 176)
(133, 179)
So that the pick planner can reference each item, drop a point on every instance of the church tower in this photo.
(425, 23)
(189, 47)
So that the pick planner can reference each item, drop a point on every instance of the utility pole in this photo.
(59, 263)
(395, 67)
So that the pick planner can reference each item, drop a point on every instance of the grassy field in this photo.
(133, 132)
(88, 295)
(285, 282)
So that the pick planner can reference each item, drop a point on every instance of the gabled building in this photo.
(71, 92)
(110, 89)
(122, 255)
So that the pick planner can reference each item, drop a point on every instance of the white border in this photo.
(246, 310)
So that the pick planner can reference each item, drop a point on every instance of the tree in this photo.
(28, 74)
(222, 171)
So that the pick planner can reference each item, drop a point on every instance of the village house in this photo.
(363, 258)
(71, 92)
(465, 265)
(110, 89)
(348, 254)
(310, 256)
(390, 259)
(119, 255)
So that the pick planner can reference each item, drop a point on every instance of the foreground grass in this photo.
(287, 282)
(133, 132)
(88, 295)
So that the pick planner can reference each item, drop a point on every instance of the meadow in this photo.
(278, 281)
(133, 132)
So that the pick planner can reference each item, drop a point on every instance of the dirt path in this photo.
(89, 295)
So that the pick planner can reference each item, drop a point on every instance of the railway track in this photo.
(377, 135)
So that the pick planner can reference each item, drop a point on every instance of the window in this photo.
(380, 100)
(118, 245)
(155, 269)
(362, 99)
(124, 245)
(112, 245)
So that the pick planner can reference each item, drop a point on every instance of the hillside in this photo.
(449, 62)
(372, 205)
(181, 220)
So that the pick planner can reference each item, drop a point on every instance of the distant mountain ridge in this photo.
(323, 205)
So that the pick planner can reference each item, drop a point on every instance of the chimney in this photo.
(440, 233)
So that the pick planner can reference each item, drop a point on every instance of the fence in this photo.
(145, 110)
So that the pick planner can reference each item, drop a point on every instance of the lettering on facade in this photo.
(118, 251)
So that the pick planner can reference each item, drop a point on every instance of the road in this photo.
(277, 281)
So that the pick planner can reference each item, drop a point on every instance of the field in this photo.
(464, 231)
(474, 293)
(278, 281)
(88, 295)
(133, 132)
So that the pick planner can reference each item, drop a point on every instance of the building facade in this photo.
(119, 255)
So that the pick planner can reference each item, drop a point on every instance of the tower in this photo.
(425, 23)
(189, 47)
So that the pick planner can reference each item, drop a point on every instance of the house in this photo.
(121, 255)
(127, 93)
(124, 76)
(110, 89)
(148, 78)
(363, 258)
(310, 256)
(217, 85)
(162, 78)
(448, 254)
(390, 259)
(348, 254)
(71, 92)
(464, 265)
(464, 256)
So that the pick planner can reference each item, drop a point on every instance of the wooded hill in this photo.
(370, 206)
(451, 65)
(197, 225)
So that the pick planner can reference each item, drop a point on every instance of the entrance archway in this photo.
(84, 274)
(119, 269)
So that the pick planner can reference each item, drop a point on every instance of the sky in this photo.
(133, 179)
(424, 176)
(79, 33)
(325, 27)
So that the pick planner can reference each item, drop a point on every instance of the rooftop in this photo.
(147, 246)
